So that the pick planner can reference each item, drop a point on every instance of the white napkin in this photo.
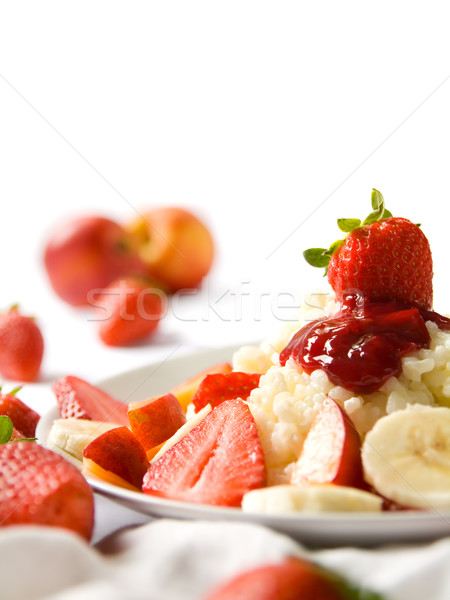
(184, 560)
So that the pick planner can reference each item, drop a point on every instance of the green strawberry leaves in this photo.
(6, 429)
(320, 257)
(317, 257)
(379, 211)
(14, 391)
(348, 225)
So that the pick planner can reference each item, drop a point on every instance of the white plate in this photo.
(336, 529)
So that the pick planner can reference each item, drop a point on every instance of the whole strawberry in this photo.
(24, 418)
(21, 346)
(39, 487)
(384, 258)
(291, 579)
(128, 310)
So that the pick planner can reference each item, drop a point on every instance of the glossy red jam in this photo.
(361, 346)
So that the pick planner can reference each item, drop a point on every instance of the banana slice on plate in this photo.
(69, 436)
(314, 498)
(406, 457)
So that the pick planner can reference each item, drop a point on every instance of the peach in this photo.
(331, 451)
(86, 254)
(155, 420)
(116, 456)
(185, 391)
(177, 247)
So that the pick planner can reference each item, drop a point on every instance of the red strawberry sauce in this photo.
(361, 346)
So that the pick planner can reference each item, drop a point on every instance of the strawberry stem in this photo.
(320, 257)
(15, 390)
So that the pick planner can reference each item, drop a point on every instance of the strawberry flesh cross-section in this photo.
(216, 463)
(78, 399)
(217, 387)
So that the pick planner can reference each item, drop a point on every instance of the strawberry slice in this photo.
(39, 487)
(23, 417)
(217, 462)
(78, 399)
(217, 387)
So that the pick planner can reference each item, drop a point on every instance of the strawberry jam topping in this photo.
(361, 346)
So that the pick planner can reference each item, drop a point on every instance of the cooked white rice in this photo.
(287, 399)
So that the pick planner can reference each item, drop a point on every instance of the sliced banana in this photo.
(69, 437)
(406, 457)
(314, 498)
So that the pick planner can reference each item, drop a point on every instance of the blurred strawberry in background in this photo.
(128, 310)
(166, 249)
(21, 346)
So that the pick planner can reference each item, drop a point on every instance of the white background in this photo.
(268, 119)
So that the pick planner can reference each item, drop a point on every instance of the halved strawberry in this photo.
(79, 399)
(23, 417)
(39, 487)
(217, 387)
(217, 462)
(184, 392)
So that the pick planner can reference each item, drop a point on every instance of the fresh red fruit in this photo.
(22, 416)
(128, 310)
(79, 399)
(21, 346)
(292, 579)
(118, 451)
(217, 462)
(185, 391)
(331, 452)
(39, 487)
(385, 258)
(86, 254)
(18, 435)
(217, 387)
(155, 420)
(175, 244)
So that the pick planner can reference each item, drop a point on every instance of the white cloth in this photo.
(184, 560)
